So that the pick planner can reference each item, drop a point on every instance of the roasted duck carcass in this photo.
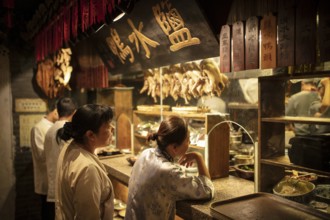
(195, 80)
(166, 82)
(148, 78)
(216, 81)
(177, 74)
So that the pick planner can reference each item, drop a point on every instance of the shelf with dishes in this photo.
(191, 146)
(284, 161)
(201, 125)
(277, 152)
(242, 106)
(167, 113)
(293, 119)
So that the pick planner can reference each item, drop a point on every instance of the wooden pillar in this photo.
(121, 101)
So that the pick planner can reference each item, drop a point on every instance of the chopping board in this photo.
(285, 25)
(225, 49)
(252, 43)
(268, 41)
(238, 46)
(306, 29)
(324, 30)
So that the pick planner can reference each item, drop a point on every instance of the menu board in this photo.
(324, 30)
(268, 41)
(252, 43)
(305, 32)
(225, 49)
(285, 24)
(238, 46)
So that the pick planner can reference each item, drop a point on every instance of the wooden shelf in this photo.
(217, 152)
(197, 147)
(243, 106)
(272, 95)
(192, 146)
(247, 74)
(284, 161)
(167, 113)
(289, 119)
(140, 136)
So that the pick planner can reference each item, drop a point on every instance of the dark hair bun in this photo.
(152, 137)
(66, 131)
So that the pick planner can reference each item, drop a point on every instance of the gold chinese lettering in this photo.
(172, 25)
(137, 37)
(118, 48)
(182, 38)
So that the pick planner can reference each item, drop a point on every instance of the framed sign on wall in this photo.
(26, 122)
(30, 105)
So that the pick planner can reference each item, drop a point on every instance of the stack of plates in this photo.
(153, 107)
(185, 109)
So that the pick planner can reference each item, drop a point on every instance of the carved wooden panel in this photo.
(268, 41)
(285, 45)
(306, 32)
(252, 43)
(225, 49)
(324, 30)
(238, 46)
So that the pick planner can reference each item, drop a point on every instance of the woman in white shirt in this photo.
(157, 182)
(83, 189)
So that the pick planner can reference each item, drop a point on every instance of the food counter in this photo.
(225, 188)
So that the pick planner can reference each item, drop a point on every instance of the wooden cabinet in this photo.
(216, 152)
(272, 158)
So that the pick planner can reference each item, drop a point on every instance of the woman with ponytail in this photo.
(83, 188)
(157, 181)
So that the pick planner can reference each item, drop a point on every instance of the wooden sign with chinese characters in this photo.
(225, 49)
(268, 41)
(156, 33)
(324, 30)
(252, 43)
(305, 32)
(30, 105)
(238, 46)
(285, 25)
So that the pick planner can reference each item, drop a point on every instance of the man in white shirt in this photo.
(38, 133)
(66, 107)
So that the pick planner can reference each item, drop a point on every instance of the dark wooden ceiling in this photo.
(25, 9)
(22, 13)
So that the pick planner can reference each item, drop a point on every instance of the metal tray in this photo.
(263, 206)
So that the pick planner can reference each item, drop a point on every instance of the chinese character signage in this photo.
(238, 46)
(156, 33)
(268, 42)
(225, 49)
(252, 43)
(305, 32)
(285, 33)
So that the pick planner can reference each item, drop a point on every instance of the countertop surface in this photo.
(225, 188)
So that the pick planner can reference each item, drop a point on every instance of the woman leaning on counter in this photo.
(157, 182)
(83, 189)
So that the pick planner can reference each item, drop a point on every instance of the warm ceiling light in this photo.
(120, 16)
